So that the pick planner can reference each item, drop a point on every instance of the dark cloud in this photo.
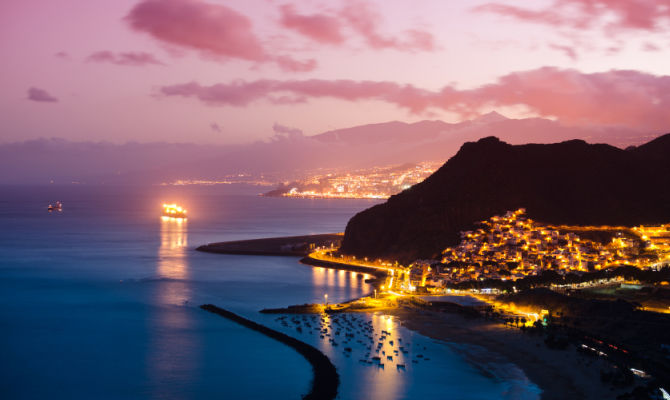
(40, 95)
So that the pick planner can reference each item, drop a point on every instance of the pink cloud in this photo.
(647, 15)
(126, 58)
(289, 64)
(40, 95)
(567, 50)
(364, 20)
(318, 27)
(211, 28)
(215, 127)
(648, 46)
(62, 55)
(626, 98)
(360, 18)
(215, 30)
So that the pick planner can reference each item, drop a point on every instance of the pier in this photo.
(326, 379)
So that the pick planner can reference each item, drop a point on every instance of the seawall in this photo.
(276, 246)
(326, 379)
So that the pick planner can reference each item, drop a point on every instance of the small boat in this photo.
(57, 207)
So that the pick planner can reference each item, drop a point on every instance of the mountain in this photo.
(571, 182)
(283, 157)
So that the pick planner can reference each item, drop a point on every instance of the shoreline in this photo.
(313, 262)
(559, 374)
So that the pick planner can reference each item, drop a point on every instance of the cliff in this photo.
(572, 182)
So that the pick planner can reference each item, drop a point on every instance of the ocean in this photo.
(100, 301)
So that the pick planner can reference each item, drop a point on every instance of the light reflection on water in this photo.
(172, 250)
(173, 354)
(419, 367)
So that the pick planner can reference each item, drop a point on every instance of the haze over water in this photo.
(101, 301)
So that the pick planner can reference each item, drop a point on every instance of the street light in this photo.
(325, 296)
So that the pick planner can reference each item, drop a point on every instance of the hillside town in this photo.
(513, 246)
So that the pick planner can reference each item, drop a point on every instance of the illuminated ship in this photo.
(173, 211)
(57, 207)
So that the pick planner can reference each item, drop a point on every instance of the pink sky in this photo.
(213, 71)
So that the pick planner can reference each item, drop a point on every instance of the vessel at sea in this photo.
(174, 211)
(57, 207)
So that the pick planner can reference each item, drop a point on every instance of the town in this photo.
(370, 183)
(512, 247)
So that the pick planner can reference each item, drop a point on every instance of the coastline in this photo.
(560, 374)
(313, 262)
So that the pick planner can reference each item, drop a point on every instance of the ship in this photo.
(174, 211)
(57, 207)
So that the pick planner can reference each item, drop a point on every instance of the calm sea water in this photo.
(101, 301)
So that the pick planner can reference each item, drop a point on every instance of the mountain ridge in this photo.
(570, 182)
(363, 146)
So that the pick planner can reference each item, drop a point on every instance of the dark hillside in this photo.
(571, 182)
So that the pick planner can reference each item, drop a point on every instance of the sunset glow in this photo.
(209, 71)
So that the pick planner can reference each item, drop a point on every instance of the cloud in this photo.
(364, 20)
(41, 95)
(289, 64)
(321, 28)
(215, 127)
(211, 28)
(286, 130)
(127, 58)
(576, 19)
(358, 17)
(648, 46)
(214, 30)
(62, 55)
(645, 15)
(619, 97)
(567, 50)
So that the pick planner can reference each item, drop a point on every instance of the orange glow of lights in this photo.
(174, 211)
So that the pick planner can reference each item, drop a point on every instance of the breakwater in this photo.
(326, 379)
(276, 246)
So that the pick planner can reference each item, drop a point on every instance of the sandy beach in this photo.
(561, 374)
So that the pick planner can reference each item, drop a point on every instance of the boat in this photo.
(57, 207)
(174, 211)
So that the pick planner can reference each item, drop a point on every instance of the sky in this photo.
(225, 72)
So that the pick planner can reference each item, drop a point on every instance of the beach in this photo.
(561, 374)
